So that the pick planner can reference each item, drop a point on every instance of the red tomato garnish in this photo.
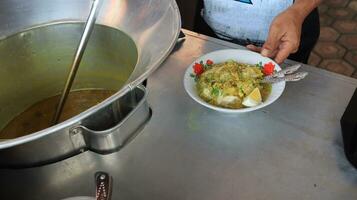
(198, 69)
(209, 62)
(268, 68)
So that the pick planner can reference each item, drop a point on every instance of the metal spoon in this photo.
(287, 70)
(292, 77)
(77, 58)
(286, 75)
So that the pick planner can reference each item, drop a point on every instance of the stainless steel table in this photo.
(289, 150)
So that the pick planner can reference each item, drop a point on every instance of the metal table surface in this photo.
(289, 150)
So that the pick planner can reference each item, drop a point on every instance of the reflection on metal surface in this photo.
(116, 12)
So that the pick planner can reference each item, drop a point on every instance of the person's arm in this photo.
(285, 31)
(305, 7)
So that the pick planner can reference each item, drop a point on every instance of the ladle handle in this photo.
(103, 186)
(88, 28)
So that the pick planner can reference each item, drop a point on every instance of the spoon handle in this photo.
(287, 70)
(292, 77)
(103, 186)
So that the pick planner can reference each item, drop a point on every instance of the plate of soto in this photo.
(234, 81)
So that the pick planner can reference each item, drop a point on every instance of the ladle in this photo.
(77, 58)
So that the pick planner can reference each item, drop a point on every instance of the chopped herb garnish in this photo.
(196, 78)
(241, 89)
(260, 64)
(215, 92)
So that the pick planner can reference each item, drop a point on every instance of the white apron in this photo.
(242, 19)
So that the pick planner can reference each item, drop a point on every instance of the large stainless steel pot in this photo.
(154, 27)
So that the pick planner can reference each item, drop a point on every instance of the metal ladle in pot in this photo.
(77, 58)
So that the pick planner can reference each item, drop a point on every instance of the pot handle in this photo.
(111, 128)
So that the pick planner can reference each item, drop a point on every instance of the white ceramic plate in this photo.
(242, 56)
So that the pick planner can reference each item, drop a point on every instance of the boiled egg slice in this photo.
(253, 99)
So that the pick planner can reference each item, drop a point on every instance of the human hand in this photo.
(284, 36)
